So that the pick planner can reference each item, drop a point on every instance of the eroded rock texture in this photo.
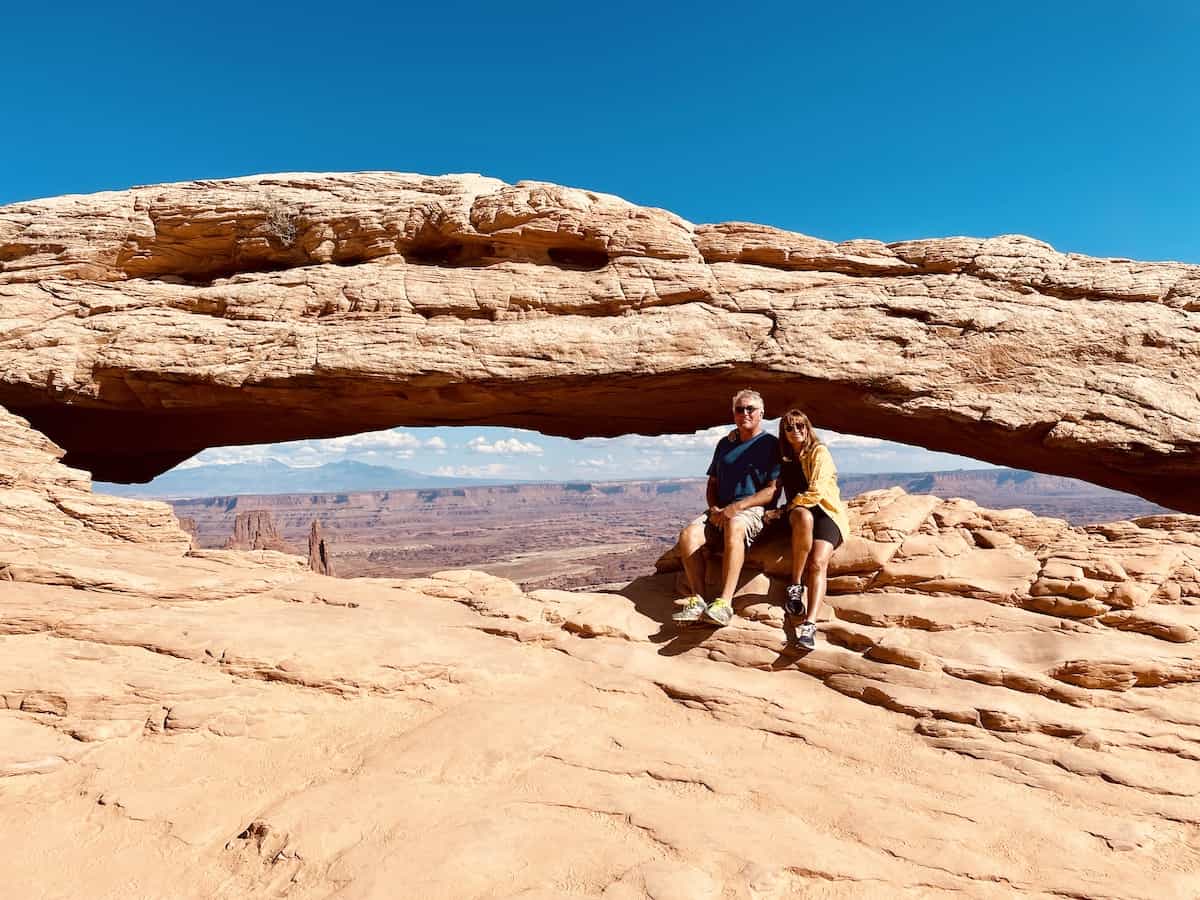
(139, 327)
(318, 553)
(999, 705)
(256, 529)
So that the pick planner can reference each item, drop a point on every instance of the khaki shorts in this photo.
(714, 537)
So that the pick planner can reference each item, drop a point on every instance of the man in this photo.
(741, 483)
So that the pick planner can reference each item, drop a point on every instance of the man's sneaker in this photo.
(806, 636)
(693, 611)
(794, 605)
(719, 612)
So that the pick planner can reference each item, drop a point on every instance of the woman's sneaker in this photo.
(719, 612)
(794, 605)
(806, 635)
(692, 611)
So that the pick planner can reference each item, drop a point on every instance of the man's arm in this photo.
(763, 497)
(711, 496)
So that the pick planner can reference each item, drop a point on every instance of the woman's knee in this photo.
(818, 557)
(801, 520)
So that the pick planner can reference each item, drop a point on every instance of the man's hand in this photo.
(720, 516)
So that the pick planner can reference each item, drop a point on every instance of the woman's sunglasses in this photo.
(795, 426)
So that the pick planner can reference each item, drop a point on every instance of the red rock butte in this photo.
(139, 327)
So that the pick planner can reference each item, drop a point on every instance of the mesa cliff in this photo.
(141, 326)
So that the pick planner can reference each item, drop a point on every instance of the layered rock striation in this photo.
(139, 327)
(255, 529)
(999, 704)
(955, 593)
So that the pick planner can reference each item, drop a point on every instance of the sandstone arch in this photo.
(139, 327)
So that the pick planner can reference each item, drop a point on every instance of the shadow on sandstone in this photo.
(654, 596)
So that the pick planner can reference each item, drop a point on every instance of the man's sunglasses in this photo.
(745, 410)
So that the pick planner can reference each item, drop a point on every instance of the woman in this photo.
(816, 515)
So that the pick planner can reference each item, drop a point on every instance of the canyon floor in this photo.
(575, 535)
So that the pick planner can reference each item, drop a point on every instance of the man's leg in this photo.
(692, 552)
(735, 555)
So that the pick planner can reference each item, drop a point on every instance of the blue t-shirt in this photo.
(743, 468)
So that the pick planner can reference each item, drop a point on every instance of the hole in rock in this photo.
(448, 253)
(578, 258)
(213, 270)
(546, 512)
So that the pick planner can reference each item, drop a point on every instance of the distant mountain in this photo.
(273, 477)
(1046, 495)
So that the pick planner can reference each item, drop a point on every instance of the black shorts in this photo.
(824, 528)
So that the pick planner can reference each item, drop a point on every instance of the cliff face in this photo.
(255, 529)
(998, 703)
(142, 326)
(49, 518)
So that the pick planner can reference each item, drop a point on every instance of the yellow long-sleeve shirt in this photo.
(821, 474)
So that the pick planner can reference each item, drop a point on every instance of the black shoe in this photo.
(794, 605)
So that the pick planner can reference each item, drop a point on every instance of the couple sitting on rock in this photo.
(750, 471)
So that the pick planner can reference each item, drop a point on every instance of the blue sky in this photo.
(502, 453)
(1076, 123)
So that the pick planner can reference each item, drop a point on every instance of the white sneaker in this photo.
(693, 611)
(806, 635)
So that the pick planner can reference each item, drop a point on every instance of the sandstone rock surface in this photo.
(229, 724)
(138, 327)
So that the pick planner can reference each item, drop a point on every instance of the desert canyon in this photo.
(1000, 703)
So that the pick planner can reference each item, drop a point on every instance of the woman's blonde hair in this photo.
(792, 416)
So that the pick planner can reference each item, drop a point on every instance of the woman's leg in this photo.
(815, 576)
(801, 521)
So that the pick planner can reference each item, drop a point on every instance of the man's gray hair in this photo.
(751, 395)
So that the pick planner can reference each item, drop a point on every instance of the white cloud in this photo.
(700, 441)
(374, 440)
(228, 456)
(375, 456)
(435, 443)
(503, 447)
(490, 470)
(656, 462)
(305, 454)
(596, 462)
(879, 454)
(834, 439)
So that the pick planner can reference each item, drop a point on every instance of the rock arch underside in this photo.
(139, 327)
(1000, 703)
